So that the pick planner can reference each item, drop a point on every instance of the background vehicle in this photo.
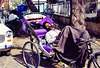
(91, 7)
(6, 39)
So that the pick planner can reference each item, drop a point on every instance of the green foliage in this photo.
(60, 0)
(90, 0)
(87, 0)
(18, 2)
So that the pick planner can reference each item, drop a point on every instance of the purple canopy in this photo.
(38, 31)
(47, 18)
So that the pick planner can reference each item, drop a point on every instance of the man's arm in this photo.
(49, 38)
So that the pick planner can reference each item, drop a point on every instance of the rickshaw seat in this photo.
(41, 31)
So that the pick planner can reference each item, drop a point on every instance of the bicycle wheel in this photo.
(94, 61)
(31, 55)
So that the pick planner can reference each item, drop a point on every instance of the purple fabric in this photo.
(38, 31)
(40, 39)
(24, 28)
(47, 18)
(41, 31)
(47, 48)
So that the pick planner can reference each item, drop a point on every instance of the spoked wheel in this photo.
(31, 55)
(94, 61)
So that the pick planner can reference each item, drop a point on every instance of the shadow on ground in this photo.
(19, 59)
(44, 63)
(21, 34)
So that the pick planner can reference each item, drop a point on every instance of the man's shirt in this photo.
(51, 35)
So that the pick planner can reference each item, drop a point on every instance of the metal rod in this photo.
(65, 7)
(70, 12)
(52, 4)
(8, 7)
(38, 6)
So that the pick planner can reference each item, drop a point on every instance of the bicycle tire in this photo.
(31, 55)
(94, 62)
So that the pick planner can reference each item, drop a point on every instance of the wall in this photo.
(93, 28)
(62, 20)
(98, 4)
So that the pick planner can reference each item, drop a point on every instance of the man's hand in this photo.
(58, 35)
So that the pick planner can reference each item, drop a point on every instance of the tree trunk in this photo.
(78, 13)
(31, 6)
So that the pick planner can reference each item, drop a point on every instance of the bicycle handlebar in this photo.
(82, 41)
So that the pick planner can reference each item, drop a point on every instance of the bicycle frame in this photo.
(92, 56)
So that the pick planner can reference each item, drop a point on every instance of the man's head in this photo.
(47, 26)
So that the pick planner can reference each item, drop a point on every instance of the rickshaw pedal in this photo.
(73, 64)
(55, 61)
(41, 54)
(44, 57)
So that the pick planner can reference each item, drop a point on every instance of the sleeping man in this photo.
(52, 33)
(65, 45)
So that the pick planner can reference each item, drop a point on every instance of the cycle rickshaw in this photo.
(32, 48)
(32, 25)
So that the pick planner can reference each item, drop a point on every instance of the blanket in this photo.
(67, 48)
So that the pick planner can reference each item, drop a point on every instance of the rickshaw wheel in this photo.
(31, 55)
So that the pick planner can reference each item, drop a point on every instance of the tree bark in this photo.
(78, 13)
(31, 6)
